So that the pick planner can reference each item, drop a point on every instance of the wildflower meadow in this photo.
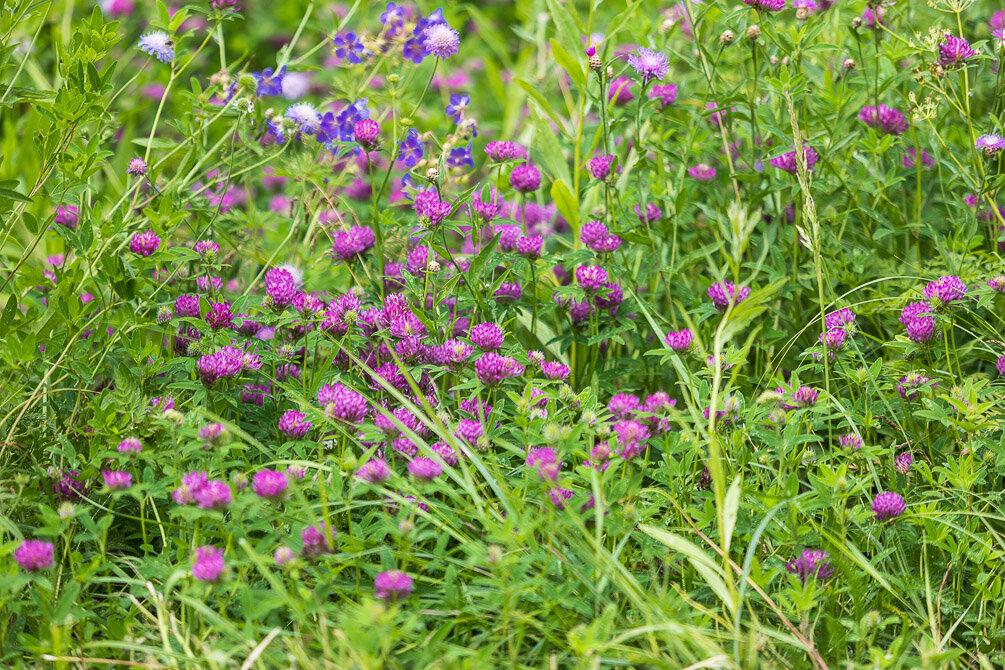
(519, 334)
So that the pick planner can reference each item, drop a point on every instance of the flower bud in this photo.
(433, 174)
(856, 23)
(848, 64)
(727, 37)
(247, 82)
(753, 32)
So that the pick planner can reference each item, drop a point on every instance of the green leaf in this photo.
(569, 63)
(566, 203)
(154, 143)
(551, 150)
(710, 571)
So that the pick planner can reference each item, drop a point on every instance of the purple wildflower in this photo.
(888, 505)
(208, 564)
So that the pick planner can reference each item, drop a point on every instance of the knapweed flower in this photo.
(393, 585)
(954, 51)
(294, 425)
(130, 445)
(885, 119)
(666, 94)
(280, 287)
(137, 167)
(945, 291)
(424, 469)
(620, 91)
(374, 471)
(787, 161)
(159, 45)
(997, 284)
(349, 47)
(902, 462)
(909, 385)
(811, 564)
(145, 243)
(990, 144)
(525, 178)
(493, 369)
(722, 293)
(440, 40)
(766, 5)
(487, 336)
(888, 505)
(269, 484)
(649, 65)
(214, 494)
(702, 172)
(599, 167)
(116, 480)
(209, 565)
(35, 555)
(1000, 365)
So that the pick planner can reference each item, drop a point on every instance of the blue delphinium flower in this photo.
(269, 82)
(458, 106)
(159, 45)
(349, 47)
(410, 149)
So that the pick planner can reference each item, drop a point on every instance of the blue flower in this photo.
(414, 50)
(393, 19)
(458, 106)
(349, 47)
(410, 149)
(461, 157)
(159, 45)
(270, 83)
